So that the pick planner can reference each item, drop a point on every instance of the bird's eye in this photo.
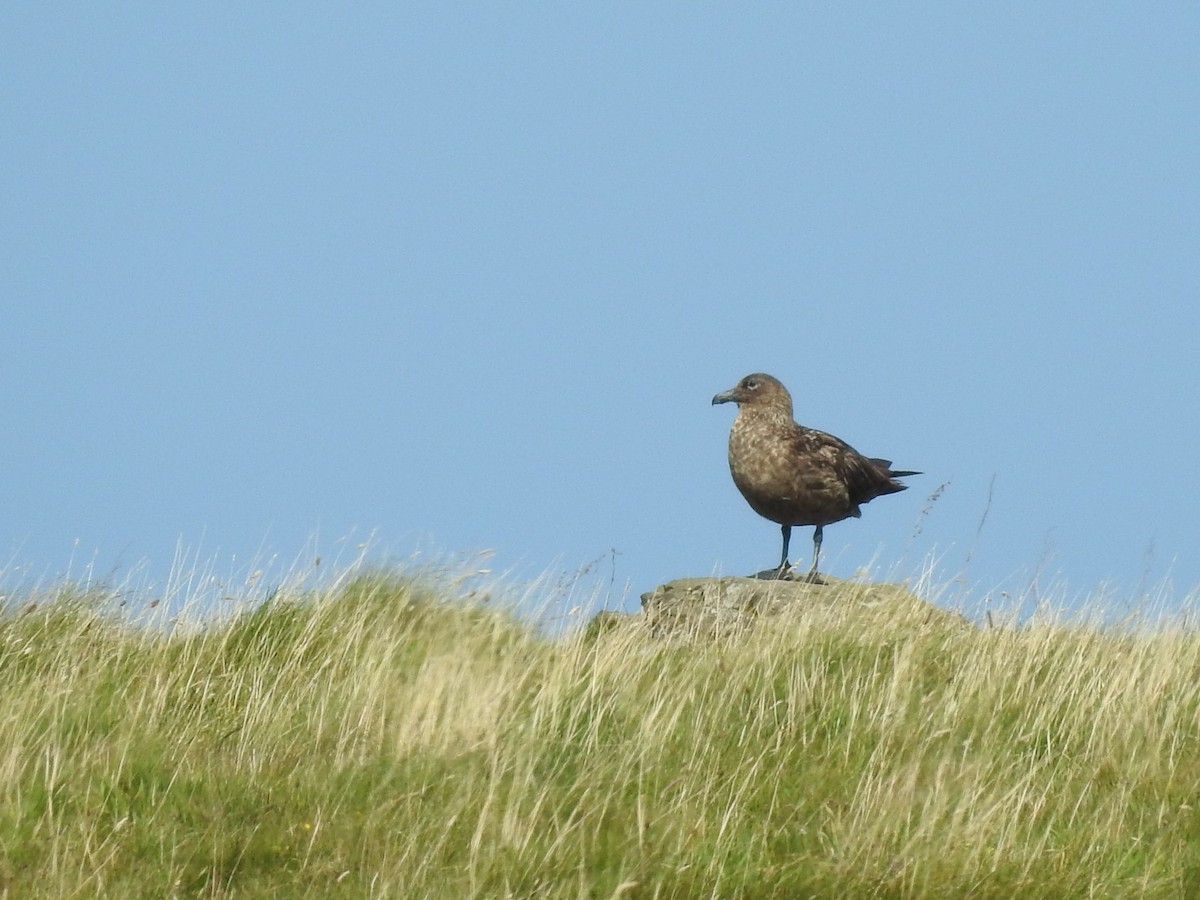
(752, 384)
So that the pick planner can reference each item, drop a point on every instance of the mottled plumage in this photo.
(795, 475)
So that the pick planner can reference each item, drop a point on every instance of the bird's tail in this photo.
(886, 465)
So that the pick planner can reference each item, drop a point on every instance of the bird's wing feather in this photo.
(863, 476)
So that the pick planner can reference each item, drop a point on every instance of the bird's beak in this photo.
(725, 397)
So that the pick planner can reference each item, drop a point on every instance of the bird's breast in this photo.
(778, 479)
(761, 464)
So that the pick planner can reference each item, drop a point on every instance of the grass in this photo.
(378, 739)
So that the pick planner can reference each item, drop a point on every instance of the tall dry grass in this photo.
(380, 739)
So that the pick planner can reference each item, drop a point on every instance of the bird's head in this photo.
(757, 391)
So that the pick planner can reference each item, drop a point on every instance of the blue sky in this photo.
(280, 278)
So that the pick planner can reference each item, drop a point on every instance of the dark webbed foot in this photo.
(789, 574)
(780, 573)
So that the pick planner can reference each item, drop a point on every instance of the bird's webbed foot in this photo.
(779, 573)
(788, 573)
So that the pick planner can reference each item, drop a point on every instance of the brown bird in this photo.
(795, 475)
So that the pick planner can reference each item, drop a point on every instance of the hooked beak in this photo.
(728, 396)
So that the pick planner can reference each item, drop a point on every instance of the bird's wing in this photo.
(862, 476)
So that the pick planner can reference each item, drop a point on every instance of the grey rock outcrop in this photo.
(717, 607)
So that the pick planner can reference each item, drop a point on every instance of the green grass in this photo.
(379, 740)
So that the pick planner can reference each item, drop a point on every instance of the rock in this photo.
(718, 607)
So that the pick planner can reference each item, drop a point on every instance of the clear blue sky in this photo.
(278, 277)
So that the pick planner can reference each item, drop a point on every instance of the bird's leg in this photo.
(812, 575)
(787, 539)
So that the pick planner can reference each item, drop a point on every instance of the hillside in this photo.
(381, 740)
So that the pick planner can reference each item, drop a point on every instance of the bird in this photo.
(795, 475)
